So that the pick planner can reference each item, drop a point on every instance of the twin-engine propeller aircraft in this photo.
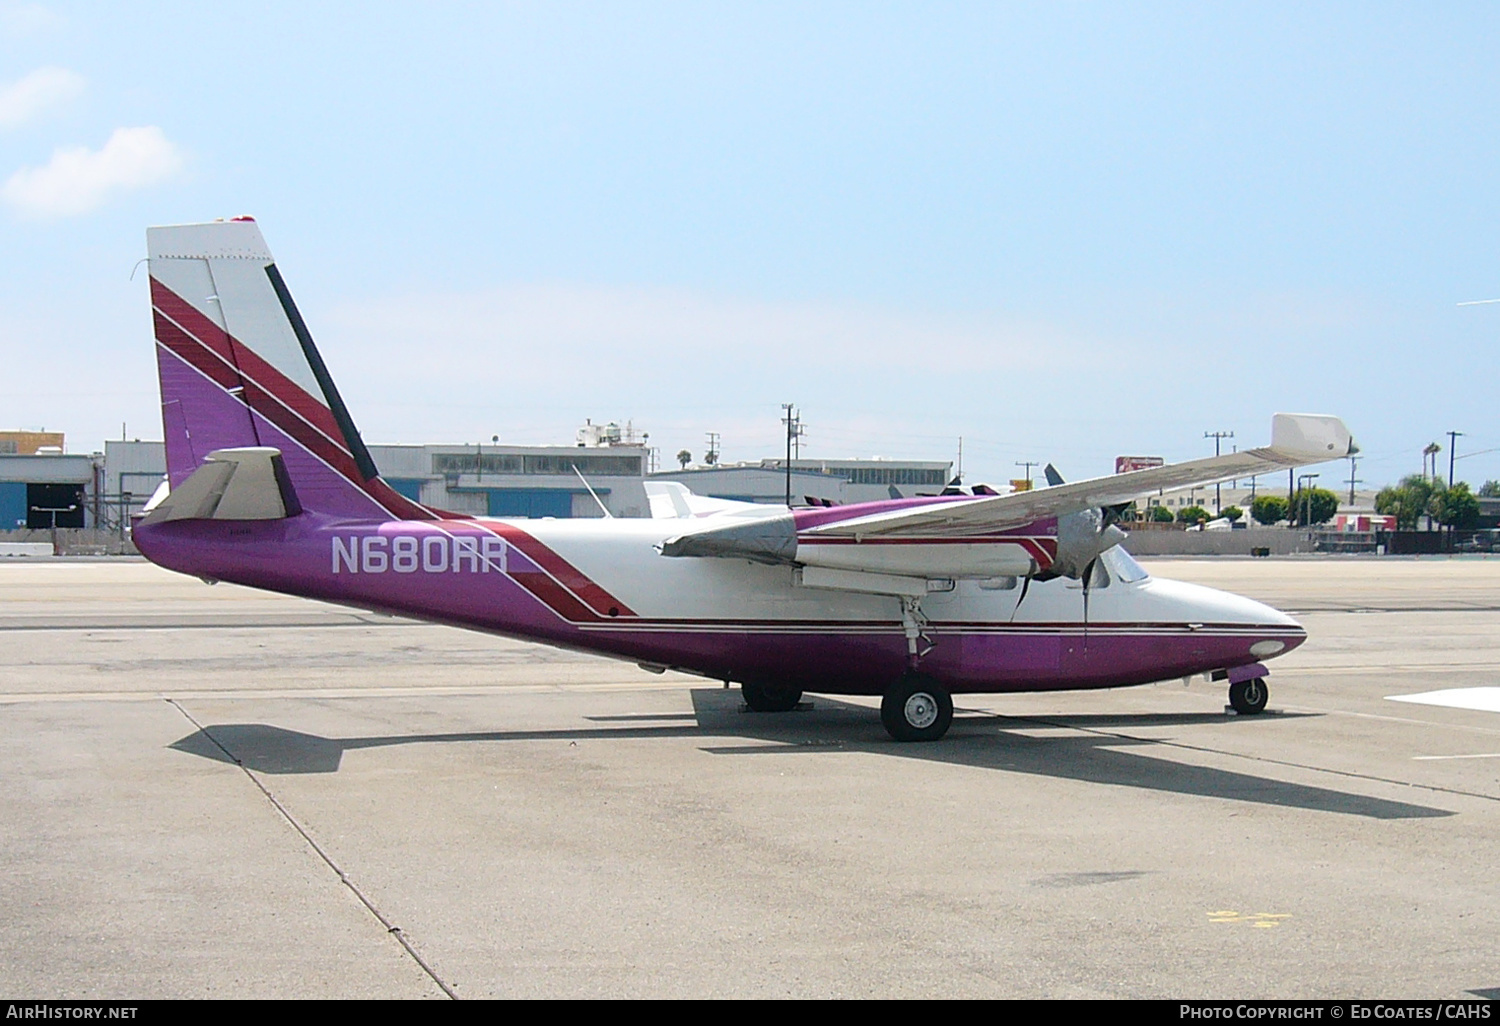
(912, 599)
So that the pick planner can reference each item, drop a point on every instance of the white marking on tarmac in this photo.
(1435, 758)
(256, 694)
(1481, 699)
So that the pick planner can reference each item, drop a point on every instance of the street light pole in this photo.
(1453, 437)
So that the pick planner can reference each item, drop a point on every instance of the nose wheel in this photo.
(916, 708)
(1248, 697)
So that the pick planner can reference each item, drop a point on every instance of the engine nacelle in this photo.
(1082, 538)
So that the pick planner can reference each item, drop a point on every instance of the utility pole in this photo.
(1217, 436)
(793, 429)
(712, 456)
(1453, 437)
(1028, 464)
(1306, 480)
(960, 457)
(1352, 479)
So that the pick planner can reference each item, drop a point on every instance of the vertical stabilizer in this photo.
(238, 369)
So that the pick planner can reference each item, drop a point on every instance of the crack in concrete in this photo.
(380, 917)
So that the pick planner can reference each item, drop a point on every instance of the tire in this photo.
(762, 698)
(1249, 697)
(916, 708)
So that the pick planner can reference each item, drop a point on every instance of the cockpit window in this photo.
(1122, 566)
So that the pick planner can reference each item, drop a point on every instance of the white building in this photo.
(839, 481)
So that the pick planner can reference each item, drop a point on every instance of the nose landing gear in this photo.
(1248, 697)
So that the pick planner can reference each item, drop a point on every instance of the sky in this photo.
(1059, 231)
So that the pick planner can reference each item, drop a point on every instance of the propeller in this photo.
(1082, 538)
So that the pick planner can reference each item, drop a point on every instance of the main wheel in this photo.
(762, 698)
(916, 708)
(1248, 697)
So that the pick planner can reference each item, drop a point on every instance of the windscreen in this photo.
(1122, 566)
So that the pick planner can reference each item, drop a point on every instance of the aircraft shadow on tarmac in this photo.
(978, 740)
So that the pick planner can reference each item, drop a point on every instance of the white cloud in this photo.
(44, 88)
(77, 180)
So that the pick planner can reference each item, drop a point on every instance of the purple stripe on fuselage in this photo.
(299, 556)
(218, 420)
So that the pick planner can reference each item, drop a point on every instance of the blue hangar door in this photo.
(530, 502)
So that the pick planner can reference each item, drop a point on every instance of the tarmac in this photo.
(215, 792)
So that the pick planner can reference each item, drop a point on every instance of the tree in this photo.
(710, 458)
(1408, 501)
(1232, 513)
(684, 457)
(1313, 506)
(1268, 509)
(1490, 490)
(1456, 507)
(1191, 514)
(1161, 515)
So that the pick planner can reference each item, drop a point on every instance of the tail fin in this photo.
(238, 369)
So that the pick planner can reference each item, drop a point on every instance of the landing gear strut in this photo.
(764, 698)
(916, 708)
(1248, 697)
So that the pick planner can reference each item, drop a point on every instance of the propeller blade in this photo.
(1088, 576)
(1025, 587)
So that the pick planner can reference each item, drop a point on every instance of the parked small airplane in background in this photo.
(913, 599)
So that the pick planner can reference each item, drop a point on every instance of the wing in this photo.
(987, 536)
(1296, 441)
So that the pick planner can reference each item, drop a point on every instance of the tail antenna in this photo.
(603, 508)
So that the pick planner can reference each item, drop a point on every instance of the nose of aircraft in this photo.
(1177, 601)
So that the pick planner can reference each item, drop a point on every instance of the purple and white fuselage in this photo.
(270, 486)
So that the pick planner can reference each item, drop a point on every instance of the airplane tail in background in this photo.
(239, 370)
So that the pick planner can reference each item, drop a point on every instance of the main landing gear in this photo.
(764, 698)
(916, 708)
(1248, 697)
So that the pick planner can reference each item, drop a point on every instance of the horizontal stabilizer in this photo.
(233, 484)
(671, 500)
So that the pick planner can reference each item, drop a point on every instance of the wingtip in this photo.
(1312, 435)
